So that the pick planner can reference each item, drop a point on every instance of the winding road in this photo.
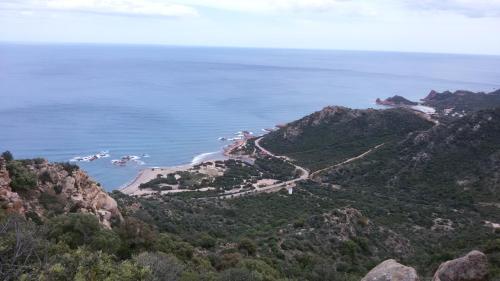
(347, 161)
(304, 173)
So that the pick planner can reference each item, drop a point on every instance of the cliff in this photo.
(37, 189)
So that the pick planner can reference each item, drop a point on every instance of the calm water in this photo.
(62, 101)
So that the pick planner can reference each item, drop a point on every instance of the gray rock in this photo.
(472, 267)
(390, 270)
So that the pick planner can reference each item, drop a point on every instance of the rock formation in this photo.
(472, 267)
(390, 270)
(11, 201)
(396, 101)
(59, 189)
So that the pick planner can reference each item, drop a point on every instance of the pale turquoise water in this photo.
(62, 101)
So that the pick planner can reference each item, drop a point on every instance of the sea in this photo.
(170, 105)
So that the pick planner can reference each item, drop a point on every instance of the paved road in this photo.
(304, 174)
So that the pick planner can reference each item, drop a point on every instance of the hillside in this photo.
(37, 190)
(419, 192)
(460, 102)
(460, 159)
(334, 134)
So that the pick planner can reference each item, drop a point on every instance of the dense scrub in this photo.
(335, 134)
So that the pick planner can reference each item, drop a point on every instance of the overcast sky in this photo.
(450, 26)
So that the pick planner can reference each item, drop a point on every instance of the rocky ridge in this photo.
(59, 189)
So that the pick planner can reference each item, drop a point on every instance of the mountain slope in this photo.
(461, 102)
(459, 160)
(335, 134)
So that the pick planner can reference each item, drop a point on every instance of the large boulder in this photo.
(472, 267)
(390, 270)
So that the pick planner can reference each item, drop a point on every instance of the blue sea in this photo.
(173, 103)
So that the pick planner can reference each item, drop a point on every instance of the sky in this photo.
(443, 26)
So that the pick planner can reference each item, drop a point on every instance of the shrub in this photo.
(68, 167)
(58, 189)
(248, 246)
(162, 267)
(7, 156)
(22, 179)
(45, 177)
(206, 241)
(51, 203)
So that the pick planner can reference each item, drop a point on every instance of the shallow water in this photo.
(63, 101)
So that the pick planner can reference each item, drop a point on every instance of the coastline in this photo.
(150, 173)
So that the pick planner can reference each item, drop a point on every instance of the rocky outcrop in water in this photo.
(390, 270)
(472, 267)
(55, 189)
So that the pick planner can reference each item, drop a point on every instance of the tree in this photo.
(22, 251)
(162, 267)
(7, 156)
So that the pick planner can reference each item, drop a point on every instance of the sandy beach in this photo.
(148, 174)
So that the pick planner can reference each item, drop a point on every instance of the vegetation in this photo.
(7, 156)
(423, 198)
(22, 179)
(463, 101)
(335, 134)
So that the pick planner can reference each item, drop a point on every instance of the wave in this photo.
(90, 158)
(204, 156)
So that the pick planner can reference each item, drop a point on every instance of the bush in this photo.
(76, 230)
(206, 241)
(240, 274)
(162, 267)
(45, 177)
(68, 167)
(22, 179)
(58, 189)
(247, 246)
(7, 156)
(51, 203)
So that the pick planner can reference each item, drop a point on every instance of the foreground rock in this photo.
(472, 267)
(390, 270)
(53, 189)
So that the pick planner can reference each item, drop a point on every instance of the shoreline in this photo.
(149, 173)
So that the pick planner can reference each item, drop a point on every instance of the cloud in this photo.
(278, 6)
(114, 7)
(470, 8)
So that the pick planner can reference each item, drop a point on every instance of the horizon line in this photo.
(242, 47)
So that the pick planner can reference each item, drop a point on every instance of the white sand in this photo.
(147, 175)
